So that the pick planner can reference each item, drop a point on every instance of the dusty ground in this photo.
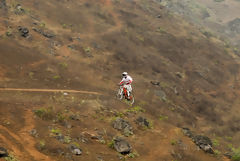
(93, 43)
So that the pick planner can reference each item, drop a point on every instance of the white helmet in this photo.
(124, 74)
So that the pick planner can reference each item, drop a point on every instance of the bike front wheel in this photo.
(119, 94)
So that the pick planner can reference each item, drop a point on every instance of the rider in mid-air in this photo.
(126, 83)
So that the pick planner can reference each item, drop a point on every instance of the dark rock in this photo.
(99, 158)
(3, 152)
(155, 83)
(24, 31)
(3, 4)
(75, 150)
(204, 143)
(179, 75)
(19, 10)
(229, 155)
(124, 126)
(44, 33)
(159, 16)
(33, 132)
(72, 47)
(60, 137)
(234, 25)
(122, 146)
(161, 94)
(143, 121)
(187, 132)
(68, 125)
(74, 117)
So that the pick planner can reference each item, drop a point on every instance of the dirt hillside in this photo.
(61, 61)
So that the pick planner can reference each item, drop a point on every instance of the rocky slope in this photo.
(60, 61)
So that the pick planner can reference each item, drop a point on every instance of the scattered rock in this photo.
(3, 4)
(124, 126)
(65, 94)
(122, 146)
(75, 117)
(159, 16)
(155, 83)
(60, 137)
(176, 91)
(72, 47)
(3, 152)
(68, 125)
(19, 10)
(229, 155)
(234, 25)
(44, 33)
(75, 150)
(187, 132)
(143, 121)
(161, 94)
(33, 132)
(24, 31)
(99, 158)
(179, 75)
(204, 143)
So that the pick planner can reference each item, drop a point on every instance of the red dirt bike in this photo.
(122, 93)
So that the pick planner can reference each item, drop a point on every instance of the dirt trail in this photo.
(49, 90)
(24, 139)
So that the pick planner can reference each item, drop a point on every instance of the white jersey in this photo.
(126, 80)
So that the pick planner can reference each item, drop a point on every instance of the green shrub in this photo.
(11, 157)
(136, 109)
(236, 154)
(111, 144)
(44, 113)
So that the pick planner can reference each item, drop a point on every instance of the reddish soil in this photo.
(94, 43)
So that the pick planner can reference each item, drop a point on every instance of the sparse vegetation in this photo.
(162, 117)
(31, 74)
(215, 142)
(161, 30)
(63, 65)
(67, 139)
(55, 131)
(11, 157)
(87, 49)
(56, 77)
(111, 144)
(133, 155)
(135, 109)
(45, 113)
(236, 154)
(217, 153)
(173, 142)
(41, 144)
(61, 117)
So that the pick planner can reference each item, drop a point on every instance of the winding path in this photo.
(49, 90)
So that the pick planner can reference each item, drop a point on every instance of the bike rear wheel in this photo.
(131, 101)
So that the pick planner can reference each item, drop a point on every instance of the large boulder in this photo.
(3, 152)
(123, 125)
(143, 122)
(121, 145)
(187, 132)
(23, 31)
(204, 143)
(234, 25)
